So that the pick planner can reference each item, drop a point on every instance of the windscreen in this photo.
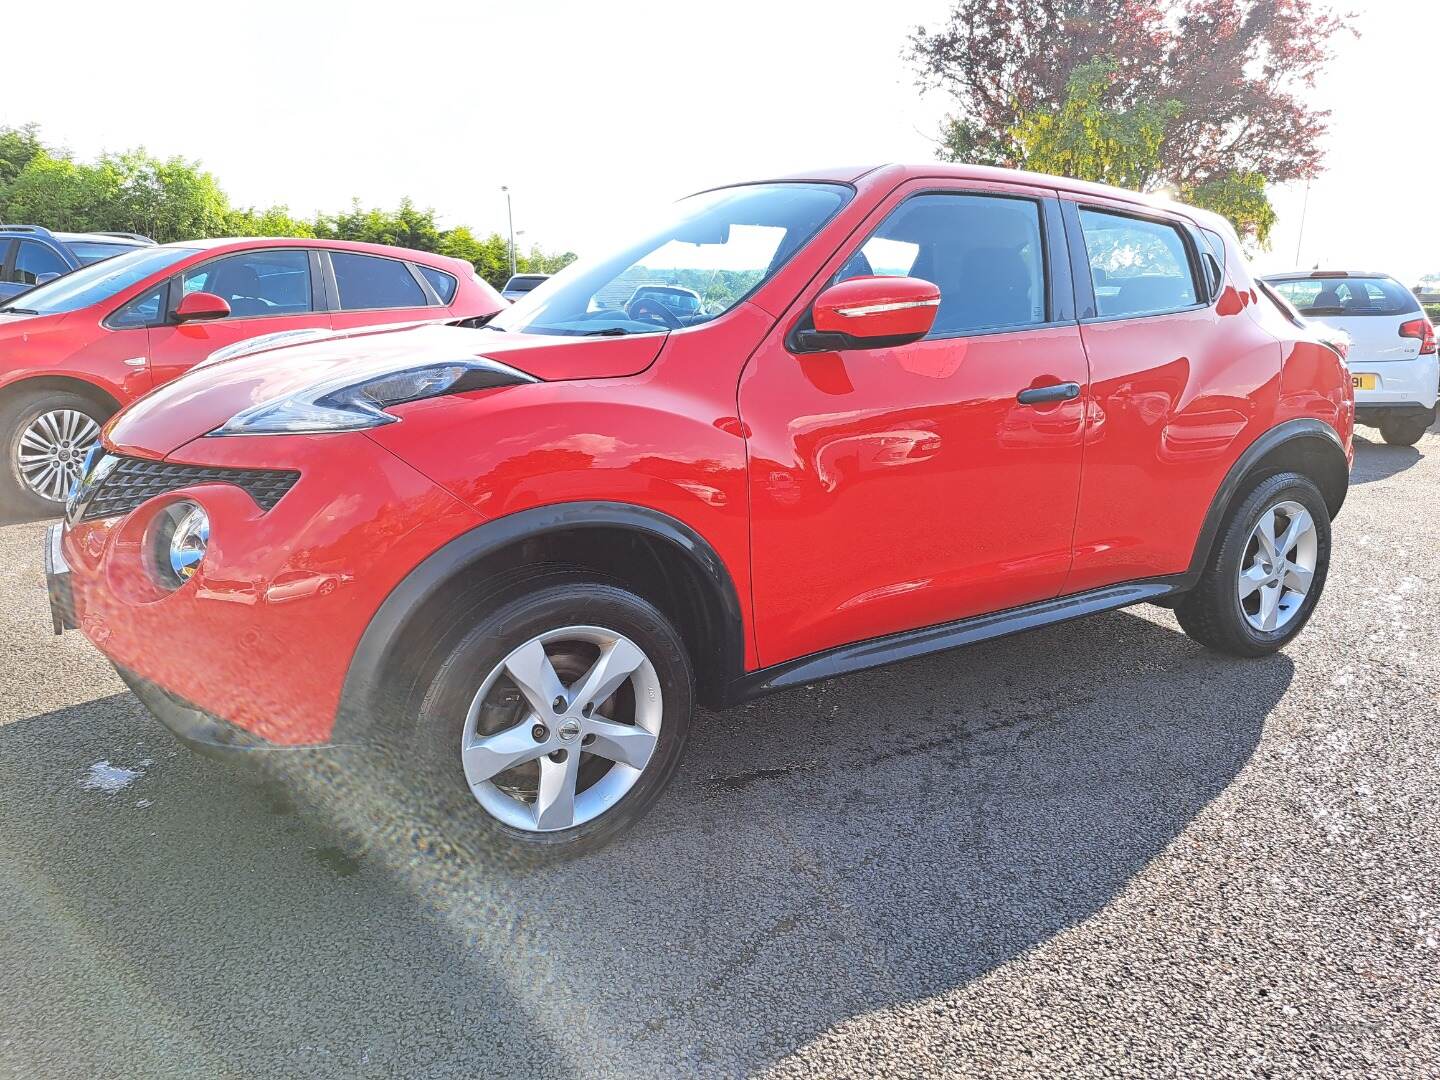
(91, 284)
(714, 251)
(1348, 296)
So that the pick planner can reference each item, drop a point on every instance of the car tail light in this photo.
(1422, 330)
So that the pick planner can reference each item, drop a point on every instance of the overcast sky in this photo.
(590, 111)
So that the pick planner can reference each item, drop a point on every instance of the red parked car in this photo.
(75, 350)
(914, 408)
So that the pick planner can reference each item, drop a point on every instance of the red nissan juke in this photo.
(808, 427)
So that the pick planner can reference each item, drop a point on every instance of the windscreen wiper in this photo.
(18, 311)
(609, 331)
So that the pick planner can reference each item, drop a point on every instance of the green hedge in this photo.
(1433, 310)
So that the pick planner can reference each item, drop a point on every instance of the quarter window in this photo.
(444, 284)
(1138, 267)
(33, 261)
(256, 283)
(367, 282)
(984, 252)
(144, 310)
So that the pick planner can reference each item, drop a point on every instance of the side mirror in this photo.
(201, 307)
(45, 279)
(871, 313)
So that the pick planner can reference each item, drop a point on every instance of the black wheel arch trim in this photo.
(1290, 431)
(366, 710)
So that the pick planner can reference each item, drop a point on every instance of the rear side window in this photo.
(33, 261)
(984, 252)
(368, 281)
(1348, 296)
(1138, 267)
(444, 284)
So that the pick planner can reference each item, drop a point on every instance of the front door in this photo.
(268, 290)
(903, 487)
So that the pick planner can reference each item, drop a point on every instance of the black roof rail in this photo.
(126, 236)
(38, 230)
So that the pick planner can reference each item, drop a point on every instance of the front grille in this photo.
(131, 481)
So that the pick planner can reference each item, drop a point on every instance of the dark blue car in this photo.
(31, 255)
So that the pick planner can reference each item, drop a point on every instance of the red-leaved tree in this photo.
(1241, 70)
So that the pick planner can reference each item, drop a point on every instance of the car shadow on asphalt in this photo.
(1375, 460)
(823, 854)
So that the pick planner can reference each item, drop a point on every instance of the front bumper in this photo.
(57, 581)
(261, 638)
(205, 734)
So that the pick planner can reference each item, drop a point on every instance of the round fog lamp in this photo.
(183, 537)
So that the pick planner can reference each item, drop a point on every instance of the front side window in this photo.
(256, 283)
(715, 250)
(1348, 296)
(367, 282)
(33, 261)
(984, 252)
(92, 284)
(1137, 267)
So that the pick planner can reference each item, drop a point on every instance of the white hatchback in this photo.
(1393, 361)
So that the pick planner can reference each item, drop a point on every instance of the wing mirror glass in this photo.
(201, 307)
(871, 313)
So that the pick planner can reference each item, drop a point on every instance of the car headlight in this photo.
(358, 397)
(179, 537)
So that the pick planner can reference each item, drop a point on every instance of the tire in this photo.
(1214, 613)
(473, 696)
(76, 422)
(1405, 430)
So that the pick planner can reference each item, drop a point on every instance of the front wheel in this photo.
(1266, 572)
(46, 434)
(559, 718)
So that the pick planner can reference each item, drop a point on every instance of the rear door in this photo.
(898, 488)
(369, 290)
(268, 289)
(1180, 384)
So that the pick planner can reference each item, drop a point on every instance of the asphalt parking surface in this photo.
(1096, 850)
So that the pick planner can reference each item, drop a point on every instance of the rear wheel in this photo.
(1405, 430)
(46, 435)
(1266, 573)
(559, 717)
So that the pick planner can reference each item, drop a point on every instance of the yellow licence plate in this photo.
(1365, 382)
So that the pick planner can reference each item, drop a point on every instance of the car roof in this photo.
(1310, 275)
(98, 238)
(940, 170)
(244, 243)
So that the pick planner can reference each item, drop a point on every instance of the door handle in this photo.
(1045, 395)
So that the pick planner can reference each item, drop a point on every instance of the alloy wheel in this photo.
(1278, 566)
(50, 451)
(562, 728)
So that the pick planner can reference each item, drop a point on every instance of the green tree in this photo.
(59, 194)
(18, 147)
(1089, 139)
(167, 200)
(406, 226)
(271, 221)
(1241, 198)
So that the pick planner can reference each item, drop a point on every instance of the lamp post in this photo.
(510, 217)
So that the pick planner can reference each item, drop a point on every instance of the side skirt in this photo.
(878, 652)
